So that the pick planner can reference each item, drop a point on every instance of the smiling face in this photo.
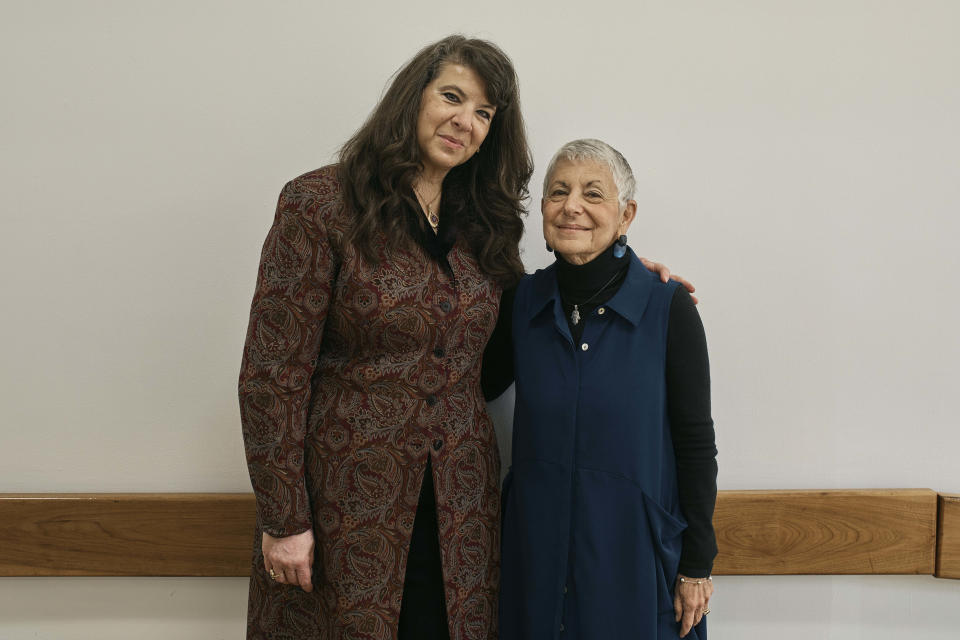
(454, 119)
(581, 213)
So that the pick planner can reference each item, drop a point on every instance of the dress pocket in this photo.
(666, 533)
(666, 530)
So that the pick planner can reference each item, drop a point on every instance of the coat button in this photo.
(564, 590)
(584, 346)
(439, 352)
(561, 627)
(601, 311)
(437, 445)
(431, 400)
(445, 306)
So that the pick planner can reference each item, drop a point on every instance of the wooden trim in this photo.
(886, 531)
(759, 532)
(948, 536)
(194, 534)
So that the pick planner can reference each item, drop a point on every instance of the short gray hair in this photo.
(598, 151)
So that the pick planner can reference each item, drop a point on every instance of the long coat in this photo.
(353, 373)
(592, 523)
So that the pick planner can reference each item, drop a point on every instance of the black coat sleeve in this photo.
(496, 375)
(691, 427)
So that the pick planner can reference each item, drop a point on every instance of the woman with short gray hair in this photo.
(608, 505)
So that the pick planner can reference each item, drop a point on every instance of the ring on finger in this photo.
(273, 575)
(706, 611)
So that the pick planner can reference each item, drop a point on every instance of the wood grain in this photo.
(948, 536)
(759, 532)
(890, 531)
(126, 534)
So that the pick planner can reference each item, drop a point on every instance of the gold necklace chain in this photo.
(432, 217)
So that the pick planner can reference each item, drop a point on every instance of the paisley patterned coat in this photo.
(353, 373)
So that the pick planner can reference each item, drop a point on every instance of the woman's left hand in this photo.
(691, 601)
(665, 275)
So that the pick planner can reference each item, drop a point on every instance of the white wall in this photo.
(800, 161)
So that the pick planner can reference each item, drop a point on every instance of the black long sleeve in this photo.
(691, 427)
(496, 375)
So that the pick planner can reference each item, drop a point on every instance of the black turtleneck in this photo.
(589, 285)
(688, 390)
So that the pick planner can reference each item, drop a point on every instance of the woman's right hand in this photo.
(290, 558)
(665, 275)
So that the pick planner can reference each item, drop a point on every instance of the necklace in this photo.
(575, 314)
(432, 217)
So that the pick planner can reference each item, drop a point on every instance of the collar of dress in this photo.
(629, 302)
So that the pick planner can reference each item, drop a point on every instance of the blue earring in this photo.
(549, 248)
(620, 249)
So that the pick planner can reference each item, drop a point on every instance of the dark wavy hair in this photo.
(379, 163)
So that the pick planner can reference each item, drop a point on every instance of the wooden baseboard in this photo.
(826, 532)
(948, 536)
(133, 534)
(759, 533)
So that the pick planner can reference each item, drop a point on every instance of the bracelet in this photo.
(695, 581)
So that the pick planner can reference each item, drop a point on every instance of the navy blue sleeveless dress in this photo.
(592, 522)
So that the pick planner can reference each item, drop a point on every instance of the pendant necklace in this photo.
(575, 314)
(432, 217)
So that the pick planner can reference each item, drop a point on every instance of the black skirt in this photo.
(423, 611)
